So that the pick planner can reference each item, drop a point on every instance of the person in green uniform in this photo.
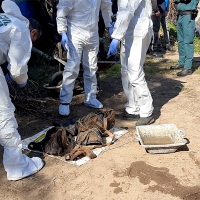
(187, 12)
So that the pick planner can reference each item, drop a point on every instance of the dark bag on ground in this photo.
(91, 128)
(72, 142)
(58, 141)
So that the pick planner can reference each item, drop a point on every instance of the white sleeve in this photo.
(18, 55)
(63, 8)
(106, 9)
(124, 15)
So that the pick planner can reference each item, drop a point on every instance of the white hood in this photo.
(9, 7)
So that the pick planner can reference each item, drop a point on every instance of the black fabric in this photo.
(1, 11)
(102, 52)
(161, 6)
(58, 141)
(4, 68)
(186, 12)
(158, 5)
(185, 1)
(155, 8)
(101, 26)
(114, 7)
(194, 14)
(88, 130)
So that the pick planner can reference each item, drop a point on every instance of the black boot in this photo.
(177, 66)
(127, 116)
(145, 121)
(184, 72)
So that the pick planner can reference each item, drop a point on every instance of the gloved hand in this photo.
(111, 28)
(113, 47)
(22, 85)
(8, 78)
(64, 41)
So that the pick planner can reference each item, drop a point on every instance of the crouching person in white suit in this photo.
(16, 36)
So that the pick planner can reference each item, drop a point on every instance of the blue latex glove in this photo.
(8, 78)
(111, 28)
(22, 85)
(64, 41)
(166, 4)
(113, 47)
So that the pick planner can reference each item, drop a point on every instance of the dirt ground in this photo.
(124, 171)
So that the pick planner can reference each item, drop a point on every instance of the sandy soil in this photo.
(124, 170)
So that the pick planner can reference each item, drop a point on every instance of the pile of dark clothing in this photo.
(75, 141)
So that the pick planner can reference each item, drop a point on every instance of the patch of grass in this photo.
(114, 71)
(152, 66)
(173, 37)
(197, 71)
(172, 34)
(154, 70)
(197, 44)
(40, 69)
(186, 89)
(158, 66)
(172, 29)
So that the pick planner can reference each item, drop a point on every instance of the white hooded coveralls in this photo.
(134, 28)
(15, 47)
(79, 19)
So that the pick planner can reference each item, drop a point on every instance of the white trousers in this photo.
(133, 55)
(85, 53)
(16, 164)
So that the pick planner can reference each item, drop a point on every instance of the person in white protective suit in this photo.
(77, 21)
(15, 48)
(133, 28)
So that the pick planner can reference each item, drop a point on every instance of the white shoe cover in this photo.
(94, 103)
(34, 165)
(64, 110)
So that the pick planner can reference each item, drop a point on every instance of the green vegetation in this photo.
(172, 29)
(114, 71)
(173, 38)
(40, 69)
(197, 45)
(152, 66)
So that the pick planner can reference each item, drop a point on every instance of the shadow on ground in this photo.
(163, 89)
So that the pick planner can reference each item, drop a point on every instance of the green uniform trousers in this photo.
(185, 35)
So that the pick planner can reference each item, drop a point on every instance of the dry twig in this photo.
(28, 100)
